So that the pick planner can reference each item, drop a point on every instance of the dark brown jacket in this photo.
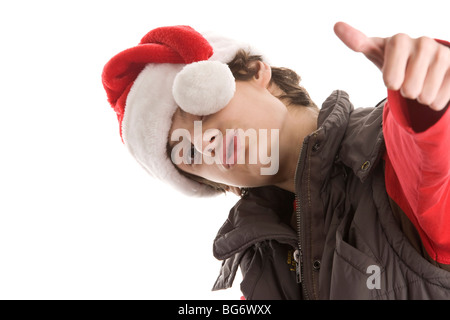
(348, 242)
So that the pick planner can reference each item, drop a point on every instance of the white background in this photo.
(79, 219)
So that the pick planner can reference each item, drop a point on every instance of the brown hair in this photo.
(244, 67)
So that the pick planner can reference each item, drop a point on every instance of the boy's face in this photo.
(237, 146)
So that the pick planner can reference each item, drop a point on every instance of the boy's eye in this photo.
(192, 154)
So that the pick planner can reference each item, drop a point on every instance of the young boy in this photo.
(336, 203)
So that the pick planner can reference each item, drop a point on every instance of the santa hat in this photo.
(171, 67)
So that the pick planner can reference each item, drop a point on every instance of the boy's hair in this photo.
(243, 68)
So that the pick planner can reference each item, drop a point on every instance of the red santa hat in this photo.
(171, 67)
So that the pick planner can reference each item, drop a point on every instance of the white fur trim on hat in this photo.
(204, 87)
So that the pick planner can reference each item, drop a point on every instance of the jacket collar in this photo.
(262, 214)
(351, 136)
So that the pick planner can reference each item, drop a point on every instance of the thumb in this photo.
(372, 48)
(351, 37)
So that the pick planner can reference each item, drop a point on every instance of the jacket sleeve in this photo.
(418, 168)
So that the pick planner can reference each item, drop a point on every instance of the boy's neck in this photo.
(301, 122)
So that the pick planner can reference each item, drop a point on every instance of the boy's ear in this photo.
(264, 74)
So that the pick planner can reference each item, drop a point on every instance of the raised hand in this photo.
(418, 68)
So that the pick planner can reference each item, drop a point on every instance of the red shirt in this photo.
(418, 169)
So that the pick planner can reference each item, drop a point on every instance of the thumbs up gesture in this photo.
(418, 68)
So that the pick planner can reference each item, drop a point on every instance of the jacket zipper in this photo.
(299, 268)
(299, 255)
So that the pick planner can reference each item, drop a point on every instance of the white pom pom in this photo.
(204, 87)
